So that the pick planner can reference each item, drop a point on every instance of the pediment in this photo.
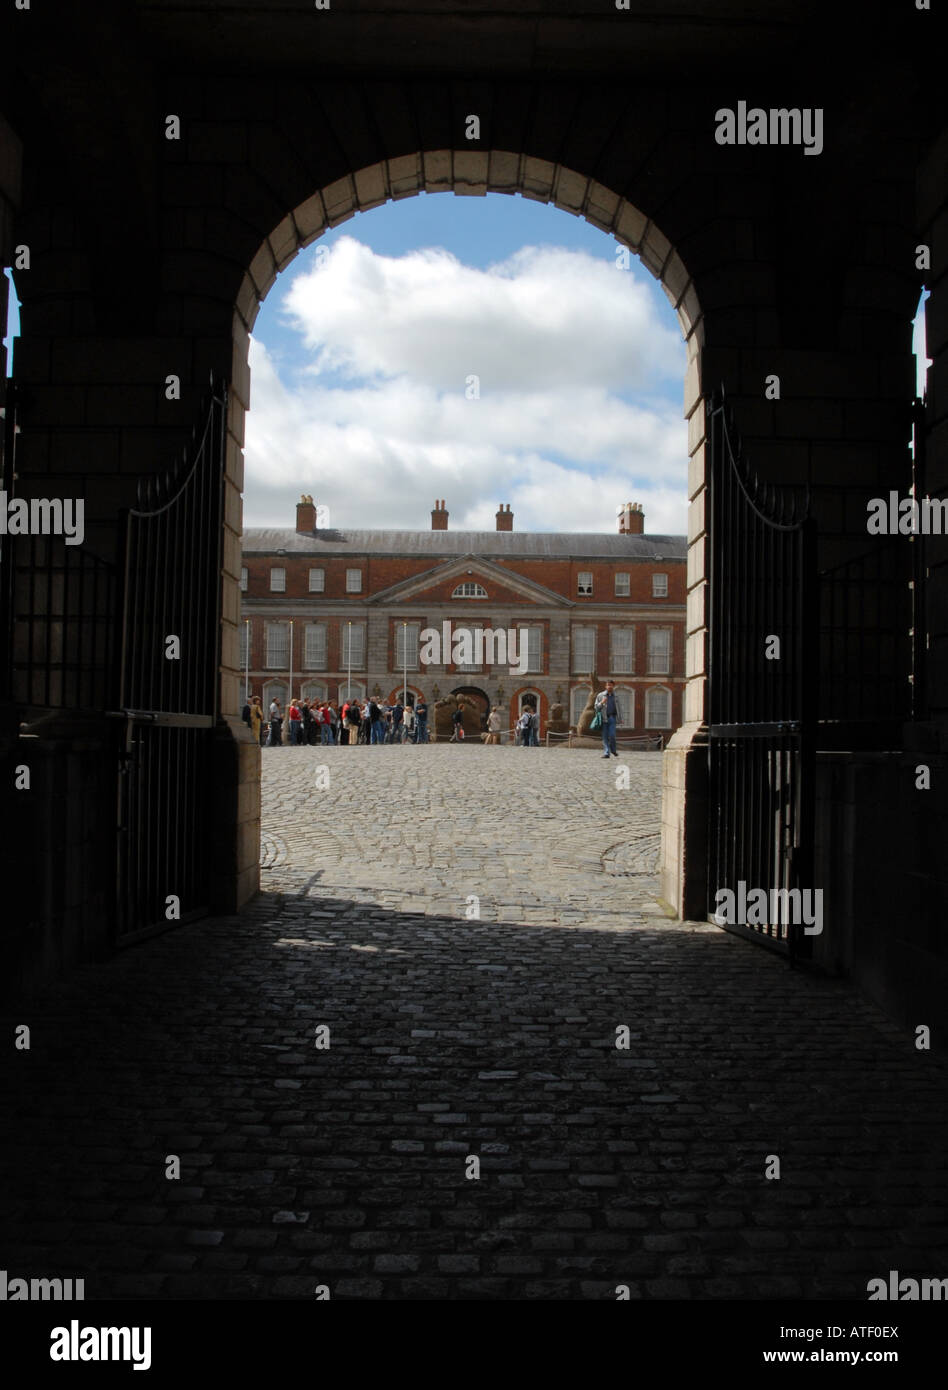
(503, 586)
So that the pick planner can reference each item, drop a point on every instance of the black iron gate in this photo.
(168, 688)
(762, 690)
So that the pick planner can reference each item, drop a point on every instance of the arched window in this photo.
(273, 690)
(625, 699)
(313, 690)
(577, 702)
(356, 689)
(658, 708)
(469, 590)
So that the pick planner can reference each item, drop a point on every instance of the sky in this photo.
(364, 350)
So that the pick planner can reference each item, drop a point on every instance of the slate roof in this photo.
(265, 540)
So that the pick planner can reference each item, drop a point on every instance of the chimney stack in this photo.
(631, 519)
(306, 515)
(439, 517)
(504, 517)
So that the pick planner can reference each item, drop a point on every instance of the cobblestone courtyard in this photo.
(454, 1036)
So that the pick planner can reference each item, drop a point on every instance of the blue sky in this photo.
(364, 349)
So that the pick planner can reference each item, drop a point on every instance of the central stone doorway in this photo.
(475, 721)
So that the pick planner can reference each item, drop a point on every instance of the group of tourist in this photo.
(355, 721)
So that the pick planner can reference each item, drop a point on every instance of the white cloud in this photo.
(375, 423)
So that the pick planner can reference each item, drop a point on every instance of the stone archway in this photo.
(476, 173)
(480, 697)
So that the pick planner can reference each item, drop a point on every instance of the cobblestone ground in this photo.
(452, 1037)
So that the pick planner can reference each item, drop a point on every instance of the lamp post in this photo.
(289, 697)
(247, 663)
(348, 660)
(404, 665)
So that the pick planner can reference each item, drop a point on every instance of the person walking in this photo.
(494, 723)
(608, 708)
(421, 720)
(457, 719)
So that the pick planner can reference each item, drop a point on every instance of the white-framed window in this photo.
(406, 646)
(577, 702)
(317, 581)
(244, 643)
(534, 636)
(244, 578)
(355, 690)
(356, 633)
(277, 580)
(659, 650)
(314, 647)
(659, 586)
(622, 586)
(469, 589)
(625, 699)
(353, 581)
(584, 582)
(584, 650)
(622, 650)
(658, 708)
(278, 646)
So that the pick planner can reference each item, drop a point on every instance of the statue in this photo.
(589, 709)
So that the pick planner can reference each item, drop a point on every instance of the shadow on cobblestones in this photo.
(449, 1038)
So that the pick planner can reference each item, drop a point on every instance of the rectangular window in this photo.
(278, 581)
(470, 643)
(244, 643)
(659, 586)
(622, 586)
(278, 646)
(584, 582)
(534, 649)
(353, 581)
(659, 650)
(357, 633)
(314, 647)
(244, 578)
(584, 650)
(317, 581)
(406, 646)
(622, 650)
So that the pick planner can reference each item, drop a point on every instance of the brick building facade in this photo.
(319, 604)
